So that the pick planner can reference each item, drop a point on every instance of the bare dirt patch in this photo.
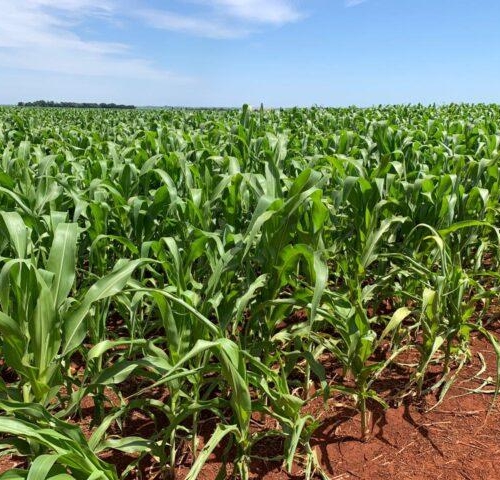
(458, 439)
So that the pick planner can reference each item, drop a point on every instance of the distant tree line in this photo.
(45, 103)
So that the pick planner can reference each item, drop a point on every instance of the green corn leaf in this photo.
(74, 327)
(62, 261)
(220, 432)
(41, 466)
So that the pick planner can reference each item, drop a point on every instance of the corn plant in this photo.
(212, 259)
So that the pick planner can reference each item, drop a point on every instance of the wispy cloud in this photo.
(277, 12)
(40, 35)
(191, 25)
(67, 49)
(224, 18)
(353, 3)
(77, 6)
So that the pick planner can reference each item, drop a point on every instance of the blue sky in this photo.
(228, 52)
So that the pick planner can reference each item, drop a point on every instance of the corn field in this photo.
(207, 267)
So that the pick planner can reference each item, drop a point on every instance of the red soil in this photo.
(459, 439)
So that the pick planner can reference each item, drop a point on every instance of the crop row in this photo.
(212, 264)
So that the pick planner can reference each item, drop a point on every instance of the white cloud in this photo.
(224, 18)
(353, 3)
(176, 22)
(79, 6)
(277, 12)
(39, 35)
(47, 48)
